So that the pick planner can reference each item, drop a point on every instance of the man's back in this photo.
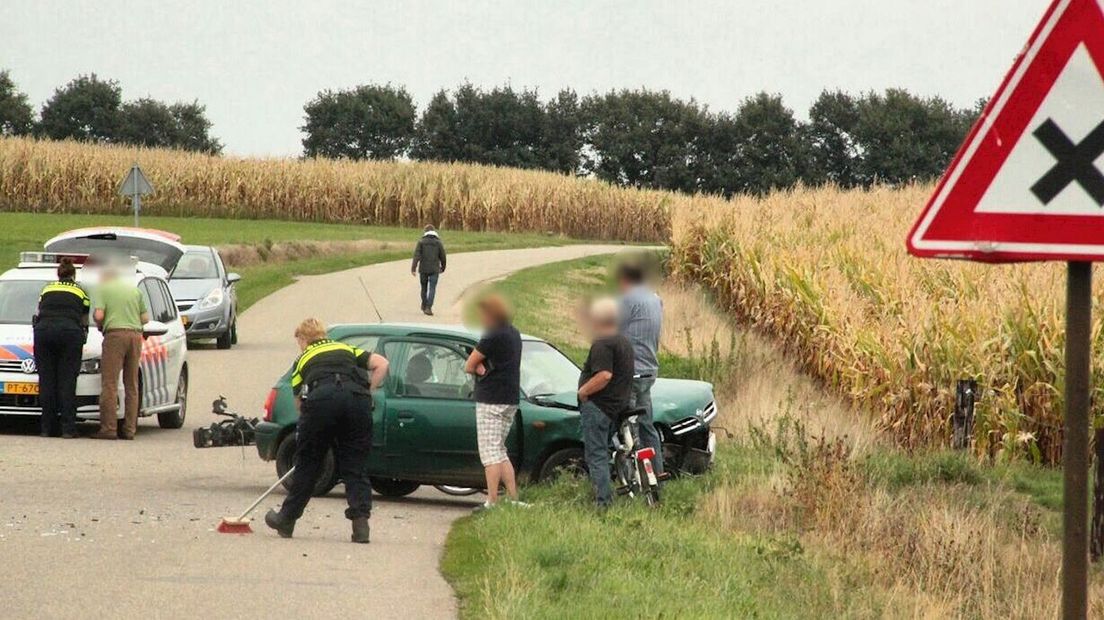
(429, 255)
(122, 303)
(641, 323)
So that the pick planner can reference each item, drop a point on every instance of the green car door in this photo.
(428, 412)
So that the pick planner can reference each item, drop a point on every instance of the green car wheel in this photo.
(285, 459)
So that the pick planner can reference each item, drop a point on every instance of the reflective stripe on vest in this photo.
(66, 287)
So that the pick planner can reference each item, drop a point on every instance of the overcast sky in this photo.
(254, 63)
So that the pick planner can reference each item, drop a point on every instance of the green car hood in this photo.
(672, 399)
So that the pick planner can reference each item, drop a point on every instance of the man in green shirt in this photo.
(119, 310)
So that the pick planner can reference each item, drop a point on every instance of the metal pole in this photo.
(136, 200)
(1075, 453)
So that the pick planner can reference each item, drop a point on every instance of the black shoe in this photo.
(43, 433)
(283, 526)
(360, 530)
(70, 434)
(429, 311)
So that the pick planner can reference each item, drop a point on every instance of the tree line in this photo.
(649, 139)
(636, 138)
(90, 109)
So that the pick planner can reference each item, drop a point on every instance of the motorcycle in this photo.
(632, 464)
(237, 431)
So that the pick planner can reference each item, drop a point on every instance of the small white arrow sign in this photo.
(135, 183)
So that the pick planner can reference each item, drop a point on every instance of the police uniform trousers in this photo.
(340, 416)
(57, 351)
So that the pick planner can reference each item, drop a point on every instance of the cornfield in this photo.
(825, 273)
(67, 177)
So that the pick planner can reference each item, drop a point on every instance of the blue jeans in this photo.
(649, 435)
(597, 429)
(429, 288)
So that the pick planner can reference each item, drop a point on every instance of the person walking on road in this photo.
(428, 265)
(60, 330)
(333, 382)
(496, 364)
(641, 323)
(605, 390)
(120, 312)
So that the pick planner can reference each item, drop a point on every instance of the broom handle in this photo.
(266, 494)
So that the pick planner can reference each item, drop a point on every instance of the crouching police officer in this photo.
(335, 410)
(60, 329)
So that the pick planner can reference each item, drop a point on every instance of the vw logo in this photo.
(28, 366)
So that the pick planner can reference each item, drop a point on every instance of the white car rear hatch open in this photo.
(148, 245)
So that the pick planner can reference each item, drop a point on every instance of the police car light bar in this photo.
(52, 258)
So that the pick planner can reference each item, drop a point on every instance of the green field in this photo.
(787, 525)
(27, 231)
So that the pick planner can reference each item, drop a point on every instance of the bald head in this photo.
(603, 315)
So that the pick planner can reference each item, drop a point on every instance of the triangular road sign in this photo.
(1028, 183)
(135, 183)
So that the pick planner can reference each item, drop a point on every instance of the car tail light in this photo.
(270, 401)
(645, 453)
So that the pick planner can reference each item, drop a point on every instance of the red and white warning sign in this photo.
(1028, 184)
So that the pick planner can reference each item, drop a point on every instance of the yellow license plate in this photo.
(21, 388)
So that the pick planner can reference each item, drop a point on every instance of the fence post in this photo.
(1096, 533)
(963, 419)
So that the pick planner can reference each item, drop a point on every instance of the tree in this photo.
(502, 127)
(86, 108)
(437, 136)
(194, 129)
(642, 138)
(367, 122)
(562, 135)
(830, 141)
(771, 152)
(16, 115)
(148, 122)
(902, 138)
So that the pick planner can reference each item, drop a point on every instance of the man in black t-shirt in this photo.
(605, 390)
(496, 364)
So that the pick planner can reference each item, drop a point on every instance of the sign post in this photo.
(135, 185)
(1026, 186)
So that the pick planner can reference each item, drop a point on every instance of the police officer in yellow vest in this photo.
(60, 329)
(333, 382)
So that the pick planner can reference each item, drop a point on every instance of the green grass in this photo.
(27, 231)
(562, 558)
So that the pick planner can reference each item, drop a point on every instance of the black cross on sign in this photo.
(1075, 163)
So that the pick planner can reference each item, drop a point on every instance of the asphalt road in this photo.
(126, 529)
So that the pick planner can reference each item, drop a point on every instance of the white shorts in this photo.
(492, 425)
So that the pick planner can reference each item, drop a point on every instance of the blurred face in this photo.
(486, 319)
(302, 342)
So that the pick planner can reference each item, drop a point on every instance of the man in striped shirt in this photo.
(641, 322)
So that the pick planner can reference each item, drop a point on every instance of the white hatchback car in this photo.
(164, 366)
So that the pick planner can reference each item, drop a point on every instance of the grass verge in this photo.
(809, 511)
(27, 231)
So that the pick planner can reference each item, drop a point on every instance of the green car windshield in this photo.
(545, 371)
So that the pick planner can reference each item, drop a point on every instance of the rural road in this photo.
(126, 529)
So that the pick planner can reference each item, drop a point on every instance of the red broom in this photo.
(240, 524)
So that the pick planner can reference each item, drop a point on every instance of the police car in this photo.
(164, 368)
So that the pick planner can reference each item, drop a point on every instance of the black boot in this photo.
(283, 526)
(360, 530)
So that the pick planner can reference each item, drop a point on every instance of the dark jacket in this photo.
(429, 255)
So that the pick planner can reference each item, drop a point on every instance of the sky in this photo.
(255, 63)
